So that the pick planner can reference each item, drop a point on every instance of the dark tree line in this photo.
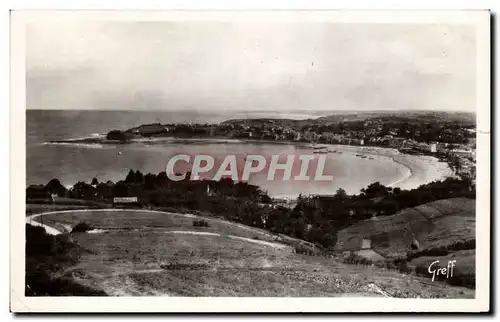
(314, 218)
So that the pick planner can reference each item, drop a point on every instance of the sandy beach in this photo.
(422, 169)
(353, 167)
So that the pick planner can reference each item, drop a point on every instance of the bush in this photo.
(358, 260)
(458, 279)
(444, 250)
(46, 256)
(116, 135)
(40, 284)
(200, 223)
(81, 228)
(301, 249)
(404, 268)
(467, 279)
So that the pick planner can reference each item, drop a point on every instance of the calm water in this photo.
(72, 163)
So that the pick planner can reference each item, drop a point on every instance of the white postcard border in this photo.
(20, 303)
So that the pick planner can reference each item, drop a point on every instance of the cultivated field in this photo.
(434, 224)
(445, 230)
(146, 253)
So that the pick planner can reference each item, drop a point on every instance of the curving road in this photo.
(53, 231)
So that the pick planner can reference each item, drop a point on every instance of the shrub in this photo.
(390, 265)
(467, 280)
(356, 259)
(444, 250)
(116, 135)
(46, 256)
(200, 223)
(40, 284)
(81, 228)
(404, 268)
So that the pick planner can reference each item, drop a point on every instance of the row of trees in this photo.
(314, 218)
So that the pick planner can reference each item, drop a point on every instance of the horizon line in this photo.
(267, 111)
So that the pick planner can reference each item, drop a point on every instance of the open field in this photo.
(434, 224)
(466, 260)
(120, 219)
(135, 263)
(141, 253)
(445, 230)
(36, 208)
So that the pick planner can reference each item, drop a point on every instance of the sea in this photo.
(75, 162)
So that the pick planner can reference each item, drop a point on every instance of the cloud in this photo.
(278, 66)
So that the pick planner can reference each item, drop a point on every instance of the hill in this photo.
(443, 229)
(434, 224)
(141, 252)
(408, 116)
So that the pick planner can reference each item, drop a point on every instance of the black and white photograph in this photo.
(291, 156)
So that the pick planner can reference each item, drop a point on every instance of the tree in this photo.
(375, 190)
(83, 190)
(130, 177)
(55, 187)
(340, 195)
(149, 181)
(139, 177)
(116, 135)
(94, 182)
(81, 227)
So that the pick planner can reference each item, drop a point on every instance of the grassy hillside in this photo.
(135, 263)
(444, 229)
(147, 253)
(433, 224)
(147, 220)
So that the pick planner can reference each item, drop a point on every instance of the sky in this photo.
(247, 66)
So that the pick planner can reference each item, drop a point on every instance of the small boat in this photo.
(119, 152)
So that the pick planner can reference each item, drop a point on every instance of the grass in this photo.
(129, 263)
(463, 273)
(434, 224)
(128, 220)
(418, 263)
(445, 230)
(36, 208)
(46, 257)
(149, 261)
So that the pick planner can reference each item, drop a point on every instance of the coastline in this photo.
(418, 169)
(422, 169)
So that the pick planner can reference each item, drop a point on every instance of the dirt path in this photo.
(52, 231)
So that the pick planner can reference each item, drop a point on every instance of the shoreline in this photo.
(419, 169)
(422, 169)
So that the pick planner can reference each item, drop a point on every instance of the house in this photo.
(396, 142)
(151, 129)
(125, 200)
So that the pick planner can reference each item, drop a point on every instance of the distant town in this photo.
(447, 136)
